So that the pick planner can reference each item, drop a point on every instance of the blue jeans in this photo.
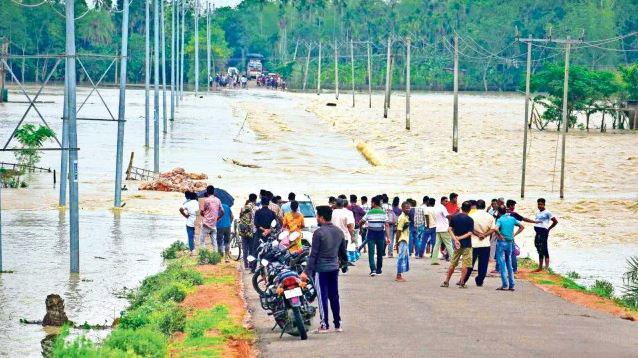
(376, 243)
(420, 241)
(504, 251)
(514, 261)
(393, 234)
(412, 241)
(430, 237)
(190, 233)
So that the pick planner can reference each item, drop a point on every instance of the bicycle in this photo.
(235, 243)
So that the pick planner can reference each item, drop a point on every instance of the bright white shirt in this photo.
(428, 211)
(483, 222)
(440, 216)
(341, 218)
(191, 207)
(545, 217)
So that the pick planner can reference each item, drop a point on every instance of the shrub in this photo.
(206, 257)
(173, 292)
(172, 251)
(144, 342)
(170, 319)
(569, 283)
(603, 288)
(630, 283)
(573, 275)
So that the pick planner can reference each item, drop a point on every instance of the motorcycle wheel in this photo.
(260, 283)
(235, 247)
(301, 328)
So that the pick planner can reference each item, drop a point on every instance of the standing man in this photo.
(484, 226)
(420, 224)
(343, 219)
(392, 222)
(378, 235)
(441, 216)
(223, 232)
(452, 205)
(246, 228)
(327, 255)
(461, 228)
(364, 227)
(286, 207)
(211, 210)
(263, 220)
(358, 214)
(505, 247)
(545, 222)
(511, 209)
(275, 208)
(429, 236)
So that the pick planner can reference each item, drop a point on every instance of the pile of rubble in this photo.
(177, 180)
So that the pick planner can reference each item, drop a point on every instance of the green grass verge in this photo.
(146, 326)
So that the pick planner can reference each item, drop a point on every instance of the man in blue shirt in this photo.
(505, 246)
(223, 232)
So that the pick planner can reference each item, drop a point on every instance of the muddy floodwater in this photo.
(295, 143)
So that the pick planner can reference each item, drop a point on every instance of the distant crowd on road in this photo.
(468, 234)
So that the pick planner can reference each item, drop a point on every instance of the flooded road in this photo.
(293, 149)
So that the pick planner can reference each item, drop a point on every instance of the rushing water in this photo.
(117, 251)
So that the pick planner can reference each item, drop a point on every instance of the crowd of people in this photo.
(468, 234)
(229, 80)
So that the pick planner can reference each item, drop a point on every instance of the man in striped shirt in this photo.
(378, 235)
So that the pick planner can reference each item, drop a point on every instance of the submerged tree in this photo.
(630, 280)
(31, 138)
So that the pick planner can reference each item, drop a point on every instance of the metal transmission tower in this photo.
(208, 47)
(147, 75)
(121, 118)
(196, 48)
(568, 42)
(173, 3)
(163, 34)
(156, 86)
(74, 217)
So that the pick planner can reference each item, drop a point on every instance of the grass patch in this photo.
(146, 326)
(546, 282)
(570, 284)
(208, 257)
(226, 279)
(602, 288)
(171, 252)
(573, 275)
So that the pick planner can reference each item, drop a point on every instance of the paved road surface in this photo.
(382, 318)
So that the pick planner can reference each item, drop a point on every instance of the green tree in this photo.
(31, 138)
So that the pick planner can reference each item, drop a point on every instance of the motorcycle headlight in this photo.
(251, 258)
(264, 262)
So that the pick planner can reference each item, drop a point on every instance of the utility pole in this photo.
(173, 2)
(208, 46)
(336, 69)
(528, 76)
(147, 76)
(319, 71)
(305, 72)
(386, 103)
(119, 156)
(455, 119)
(74, 212)
(156, 86)
(181, 48)
(163, 34)
(177, 52)
(64, 155)
(352, 68)
(369, 76)
(407, 84)
(565, 122)
(196, 10)
(565, 118)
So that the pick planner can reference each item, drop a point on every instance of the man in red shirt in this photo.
(452, 205)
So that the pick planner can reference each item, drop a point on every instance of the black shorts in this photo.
(540, 241)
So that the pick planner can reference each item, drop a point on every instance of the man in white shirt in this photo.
(429, 237)
(545, 222)
(441, 219)
(343, 219)
(484, 227)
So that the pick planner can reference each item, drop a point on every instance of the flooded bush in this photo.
(573, 275)
(208, 257)
(174, 292)
(172, 251)
(630, 280)
(603, 288)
